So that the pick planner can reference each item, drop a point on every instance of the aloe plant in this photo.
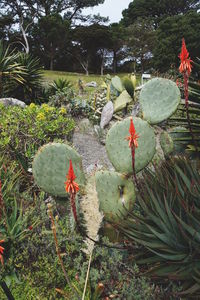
(166, 234)
(192, 144)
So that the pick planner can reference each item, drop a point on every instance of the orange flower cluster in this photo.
(133, 136)
(1, 251)
(71, 186)
(185, 66)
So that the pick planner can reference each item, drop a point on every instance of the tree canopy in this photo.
(157, 10)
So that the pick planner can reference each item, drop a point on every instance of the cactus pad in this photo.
(121, 101)
(117, 84)
(118, 149)
(50, 167)
(159, 99)
(166, 143)
(115, 193)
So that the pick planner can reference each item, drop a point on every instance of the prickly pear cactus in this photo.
(50, 167)
(159, 99)
(166, 143)
(122, 101)
(118, 149)
(117, 84)
(115, 194)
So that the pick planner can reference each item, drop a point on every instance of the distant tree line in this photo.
(148, 36)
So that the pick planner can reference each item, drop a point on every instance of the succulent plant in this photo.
(117, 84)
(118, 149)
(166, 143)
(115, 193)
(122, 101)
(159, 99)
(129, 87)
(50, 167)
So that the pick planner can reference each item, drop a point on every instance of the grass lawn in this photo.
(73, 77)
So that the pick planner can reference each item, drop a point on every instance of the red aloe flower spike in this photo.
(185, 66)
(133, 136)
(1, 252)
(70, 185)
(72, 188)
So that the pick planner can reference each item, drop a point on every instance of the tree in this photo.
(157, 10)
(26, 12)
(117, 42)
(141, 41)
(90, 41)
(50, 36)
(169, 36)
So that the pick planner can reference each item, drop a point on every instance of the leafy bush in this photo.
(23, 131)
(166, 234)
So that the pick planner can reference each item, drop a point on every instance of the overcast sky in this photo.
(110, 8)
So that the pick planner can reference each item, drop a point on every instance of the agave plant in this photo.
(60, 85)
(11, 72)
(165, 236)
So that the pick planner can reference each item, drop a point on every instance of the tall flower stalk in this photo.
(133, 144)
(72, 188)
(185, 69)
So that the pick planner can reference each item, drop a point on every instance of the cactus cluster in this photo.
(115, 190)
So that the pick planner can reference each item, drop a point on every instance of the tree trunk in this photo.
(51, 64)
(102, 66)
(26, 45)
(114, 62)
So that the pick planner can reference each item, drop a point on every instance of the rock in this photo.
(91, 84)
(106, 114)
(12, 102)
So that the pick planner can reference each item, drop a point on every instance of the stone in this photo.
(12, 102)
(106, 114)
(91, 84)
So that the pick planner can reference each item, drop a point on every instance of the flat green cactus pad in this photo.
(118, 149)
(159, 99)
(50, 167)
(121, 101)
(115, 193)
(166, 143)
(117, 84)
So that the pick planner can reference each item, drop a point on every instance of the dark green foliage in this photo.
(30, 87)
(11, 72)
(166, 233)
(60, 85)
(169, 35)
(157, 10)
(128, 84)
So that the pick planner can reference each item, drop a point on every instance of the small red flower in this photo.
(71, 186)
(30, 228)
(133, 136)
(185, 66)
(1, 251)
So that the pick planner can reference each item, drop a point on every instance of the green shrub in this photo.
(23, 131)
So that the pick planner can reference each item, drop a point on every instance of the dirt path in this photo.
(93, 153)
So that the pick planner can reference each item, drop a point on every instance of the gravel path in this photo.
(93, 153)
